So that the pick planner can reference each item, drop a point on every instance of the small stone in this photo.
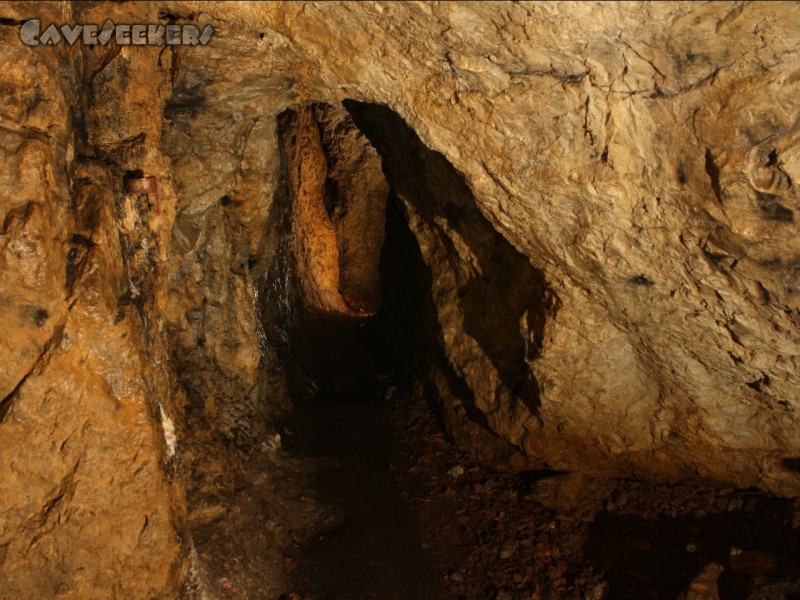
(456, 472)
(704, 586)
(598, 592)
(272, 443)
(289, 564)
(508, 549)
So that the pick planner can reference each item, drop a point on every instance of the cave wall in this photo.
(490, 304)
(225, 171)
(643, 157)
(315, 250)
(337, 194)
(90, 487)
(355, 198)
(616, 146)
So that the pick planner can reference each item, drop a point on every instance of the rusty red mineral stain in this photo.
(146, 185)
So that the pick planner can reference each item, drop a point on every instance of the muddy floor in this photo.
(362, 496)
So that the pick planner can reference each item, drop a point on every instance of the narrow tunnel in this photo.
(360, 332)
(349, 251)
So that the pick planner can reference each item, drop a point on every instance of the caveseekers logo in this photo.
(31, 34)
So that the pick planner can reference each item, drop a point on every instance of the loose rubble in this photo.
(552, 536)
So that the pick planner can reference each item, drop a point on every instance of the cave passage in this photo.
(362, 336)
(357, 286)
(389, 508)
(519, 319)
(368, 543)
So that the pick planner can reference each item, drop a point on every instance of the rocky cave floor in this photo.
(368, 499)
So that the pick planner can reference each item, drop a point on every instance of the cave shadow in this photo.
(366, 543)
(407, 337)
(657, 558)
(340, 398)
(791, 463)
(505, 291)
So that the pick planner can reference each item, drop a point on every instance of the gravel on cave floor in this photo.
(427, 510)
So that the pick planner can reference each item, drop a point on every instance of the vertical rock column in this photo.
(315, 249)
(355, 196)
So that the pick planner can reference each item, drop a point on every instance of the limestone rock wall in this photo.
(490, 303)
(314, 247)
(225, 173)
(355, 196)
(337, 193)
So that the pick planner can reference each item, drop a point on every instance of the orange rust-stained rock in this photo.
(315, 247)
(146, 185)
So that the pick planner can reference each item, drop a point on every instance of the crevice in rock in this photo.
(504, 300)
(7, 402)
(712, 170)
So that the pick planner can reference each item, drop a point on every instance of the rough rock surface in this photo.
(315, 250)
(355, 197)
(641, 158)
(87, 488)
(338, 197)
(624, 159)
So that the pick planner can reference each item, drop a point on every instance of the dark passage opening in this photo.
(500, 288)
(353, 305)
(347, 373)
(350, 359)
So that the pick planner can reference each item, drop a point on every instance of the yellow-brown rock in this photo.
(621, 198)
